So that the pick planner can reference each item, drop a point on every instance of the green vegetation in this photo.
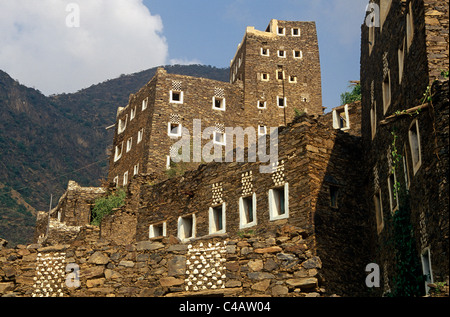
(298, 113)
(353, 95)
(105, 205)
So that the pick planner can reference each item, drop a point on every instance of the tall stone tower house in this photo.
(274, 75)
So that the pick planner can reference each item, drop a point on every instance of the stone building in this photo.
(405, 133)
(274, 75)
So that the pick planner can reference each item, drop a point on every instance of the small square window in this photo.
(174, 129)
(295, 31)
(219, 138)
(261, 104)
(341, 119)
(281, 31)
(247, 211)
(176, 96)
(279, 202)
(281, 102)
(298, 54)
(280, 74)
(264, 51)
(264, 76)
(129, 144)
(218, 103)
(217, 219)
(157, 230)
(281, 53)
(186, 227)
(292, 79)
(262, 130)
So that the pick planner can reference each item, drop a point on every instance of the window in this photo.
(157, 230)
(282, 53)
(385, 6)
(426, 268)
(281, 31)
(219, 138)
(144, 104)
(414, 144)
(118, 152)
(186, 227)
(406, 167)
(176, 96)
(247, 211)
(378, 211)
(393, 194)
(125, 178)
(129, 144)
(261, 104)
(292, 79)
(218, 103)
(122, 124)
(116, 180)
(298, 54)
(174, 129)
(386, 92)
(262, 130)
(132, 113)
(333, 196)
(341, 118)
(264, 76)
(217, 219)
(281, 101)
(280, 74)
(373, 119)
(264, 51)
(409, 26)
(295, 31)
(401, 61)
(168, 162)
(279, 202)
(140, 135)
(136, 169)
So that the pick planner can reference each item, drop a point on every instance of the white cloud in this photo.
(114, 37)
(184, 61)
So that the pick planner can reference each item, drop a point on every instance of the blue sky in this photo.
(42, 47)
(209, 31)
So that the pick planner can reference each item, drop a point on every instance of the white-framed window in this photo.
(261, 104)
(281, 101)
(426, 268)
(144, 104)
(186, 227)
(157, 230)
(217, 219)
(295, 31)
(292, 79)
(265, 51)
(401, 60)
(140, 135)
(168, 162)
(393, 195)
(282, 53)
(176, 96)
(409, 26)
(129, 144)
(174, 129)
(136, 169)
(386, 91)
(280, 74)
(125, 178)
(118, 152)
(281, 31)
(218, 103)
(297, 54)
(247, 211)
(341, 118)
(414, 145)
(219, 138)
(132, 113)
(122, 124)
(279, 202)
(264, 77)
(378, 210)
(116, 180)
(262, 130)
(373, 118)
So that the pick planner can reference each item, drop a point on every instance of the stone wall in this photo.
(277, 265)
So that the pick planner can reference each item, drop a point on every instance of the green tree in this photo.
(353, 95)
(105, 205)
